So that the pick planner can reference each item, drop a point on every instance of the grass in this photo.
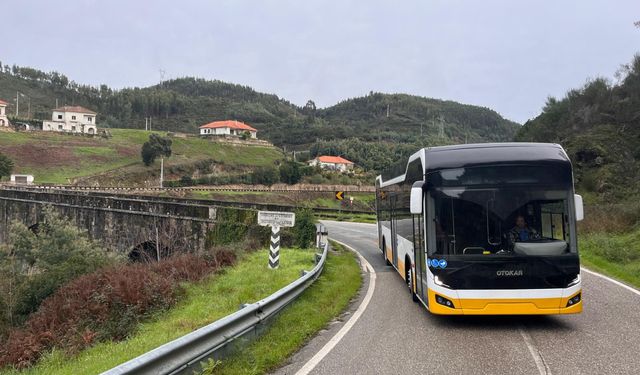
(202, 303)
(617, 255)
(60, 158)
(299, 322)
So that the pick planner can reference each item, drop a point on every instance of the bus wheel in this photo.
(409, 279)
(384, 252)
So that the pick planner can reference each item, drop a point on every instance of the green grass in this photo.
(59, 158)
(202, 304)
(299, 322)
(616, 255)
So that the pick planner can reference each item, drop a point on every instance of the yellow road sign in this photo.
(339, 195)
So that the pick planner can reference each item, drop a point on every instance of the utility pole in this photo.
(17, 103)
(161, 171)
(29, 107)
(387, 110)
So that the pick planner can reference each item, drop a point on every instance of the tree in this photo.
(290, 172)
(6, 166)
(309, 110)
(155, 147)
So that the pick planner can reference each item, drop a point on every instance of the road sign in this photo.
(339, 195)
(275, 220)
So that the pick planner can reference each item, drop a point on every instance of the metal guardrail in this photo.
(185, 354)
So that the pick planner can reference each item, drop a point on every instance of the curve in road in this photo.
(394, 335)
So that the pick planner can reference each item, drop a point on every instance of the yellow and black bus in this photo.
(484, 229)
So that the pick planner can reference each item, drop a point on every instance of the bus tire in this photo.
(409, 279)
(384, 252)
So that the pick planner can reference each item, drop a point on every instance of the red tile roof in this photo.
(2, 102)
(76, 108)
(228, 124)
(334, 160)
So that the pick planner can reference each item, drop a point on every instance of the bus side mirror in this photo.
(415, 205)
(579, 207)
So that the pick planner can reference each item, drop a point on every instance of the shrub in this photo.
(265, 176)
(290, 172)
(304, 231)
(34, 265)
(105, 305)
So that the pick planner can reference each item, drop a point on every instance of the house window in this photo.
(89, 118)
(73, 117)
(59, 127)
(59, 117)
(73, 128)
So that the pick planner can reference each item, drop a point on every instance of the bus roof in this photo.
(470, 155)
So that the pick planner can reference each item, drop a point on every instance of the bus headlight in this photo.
(573, 300)
(574, 281)
(439, 282)
(443, 301)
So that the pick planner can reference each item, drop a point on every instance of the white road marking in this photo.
(543, 369)
(618, 283)
(313, 362)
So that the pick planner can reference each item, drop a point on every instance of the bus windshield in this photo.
(505, 219)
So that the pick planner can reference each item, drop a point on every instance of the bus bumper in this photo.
(491, 306)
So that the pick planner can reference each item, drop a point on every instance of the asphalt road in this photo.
(394, 335)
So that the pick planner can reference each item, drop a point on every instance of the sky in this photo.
(503, 54)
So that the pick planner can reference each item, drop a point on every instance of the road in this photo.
(394, 335)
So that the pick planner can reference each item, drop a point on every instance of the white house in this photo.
(71, 119)
(4, 121)
(227, 128)
(335, 163)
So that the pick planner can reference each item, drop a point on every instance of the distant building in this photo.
(335, 163)
(24, 179)
(72, 119)
(4, 121)
(228, 128)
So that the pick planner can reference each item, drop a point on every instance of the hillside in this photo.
(390, 125)
(599, 125)
(61, 158)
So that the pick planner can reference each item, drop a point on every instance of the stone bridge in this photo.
(128, 224)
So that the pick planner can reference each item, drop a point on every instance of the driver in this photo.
(522, 232)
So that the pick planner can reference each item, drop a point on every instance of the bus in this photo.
(484, 229)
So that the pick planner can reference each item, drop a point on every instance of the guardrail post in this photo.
(321, 235)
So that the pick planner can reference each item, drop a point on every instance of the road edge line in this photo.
(543, 369)
(328, 347)
(614, 281)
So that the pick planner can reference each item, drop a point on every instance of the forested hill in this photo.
(404, 117)
(599, 125)
(382, 126)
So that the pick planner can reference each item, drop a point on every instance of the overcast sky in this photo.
(507, 55)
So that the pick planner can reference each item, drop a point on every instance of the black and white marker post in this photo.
(275, 220)
(274, 249)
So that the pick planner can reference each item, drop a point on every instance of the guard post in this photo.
(275, 220)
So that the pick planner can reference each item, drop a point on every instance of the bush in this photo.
(304, 231)
(290, 172)
(105, 305)
(265, 176)
(34, 265)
